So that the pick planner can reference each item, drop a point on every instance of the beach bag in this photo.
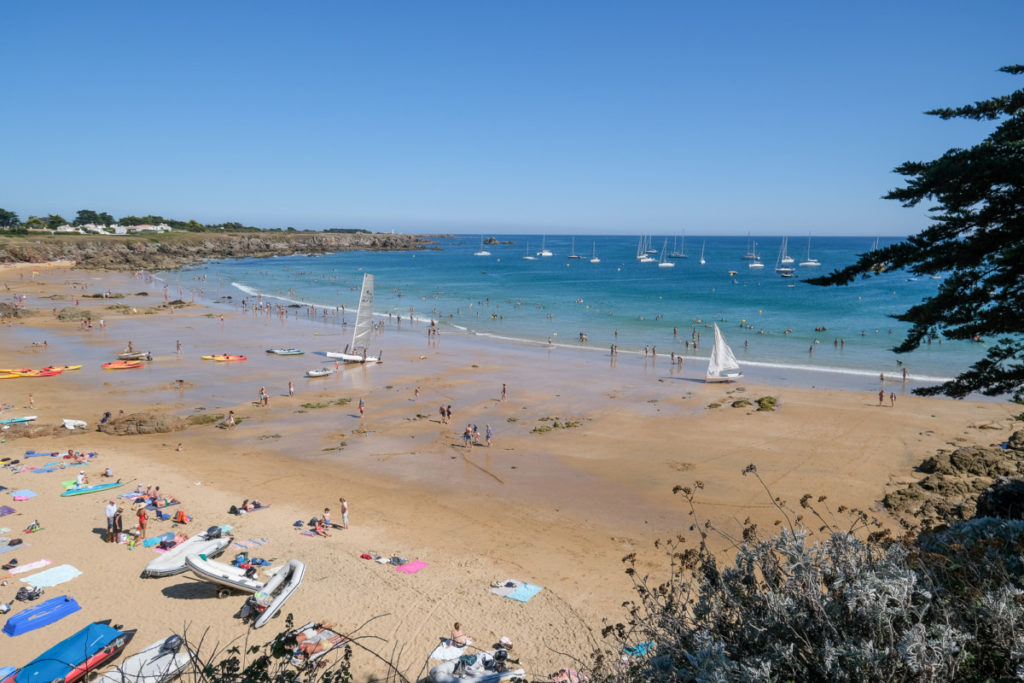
(240, 559)
(312, 522)
(233, 510)
(181, 518)
(166, 544)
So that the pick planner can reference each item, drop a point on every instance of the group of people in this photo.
(323, 522)
(472, 437)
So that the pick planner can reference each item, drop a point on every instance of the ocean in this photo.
(774, 323)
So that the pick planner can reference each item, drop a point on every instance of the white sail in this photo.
(722, 366)
(358, 351)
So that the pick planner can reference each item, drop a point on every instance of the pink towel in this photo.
(30, 566)
(411, 567)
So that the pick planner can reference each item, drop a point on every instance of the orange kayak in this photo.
(45, 372)
(123, 365)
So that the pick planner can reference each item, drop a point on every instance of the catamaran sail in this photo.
(722, 366)
(358, 350)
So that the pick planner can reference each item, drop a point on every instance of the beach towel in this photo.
(446, 652)
(52, 577)
(516, 590)
(6, 547)
(6, 510)
(411, 567)
(23, 494)
(178, 538)
(155, 540)
(640, 649)
(30, 567)
(308, 533)
(154, 508)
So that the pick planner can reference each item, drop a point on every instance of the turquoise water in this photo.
(620, 300)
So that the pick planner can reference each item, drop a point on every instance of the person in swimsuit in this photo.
(458, 638)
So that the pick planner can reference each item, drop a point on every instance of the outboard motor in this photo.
(172, 644)
(213, 532)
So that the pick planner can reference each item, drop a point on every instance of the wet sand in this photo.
(557, 508)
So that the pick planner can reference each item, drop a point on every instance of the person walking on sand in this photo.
(504, 392)
(487, 436)
(448, 414)
(467, 437)
(444, 415)
(881, 396)
(231, 418)
(362, 407)
(344, 512)
(111, 514)
(291, 388)
(178, 343)
(892, 399)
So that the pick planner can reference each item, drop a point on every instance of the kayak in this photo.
(286, 352)
(45, 614)
(15, 370)
(16, 420)
(94, 488)
(45, 372)
(61, 368)
(75, 658)
(225, 357)
(123, 365)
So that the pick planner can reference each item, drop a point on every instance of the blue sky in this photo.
(559, 117)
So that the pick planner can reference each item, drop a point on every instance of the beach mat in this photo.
(5, 548)
(307, 532)
(30, 567)
(154, 508)
(52, 577)
(23, 494)
(411, 567)
(155, 540)
(516, 590)
(6, 510)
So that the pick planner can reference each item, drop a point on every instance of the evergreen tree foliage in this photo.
(976, 238)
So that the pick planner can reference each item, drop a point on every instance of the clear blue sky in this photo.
(559, 117)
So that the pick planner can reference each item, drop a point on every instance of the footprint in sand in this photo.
(681, 466)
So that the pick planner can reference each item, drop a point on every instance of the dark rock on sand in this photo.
(142, 423)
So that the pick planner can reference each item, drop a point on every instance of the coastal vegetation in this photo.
(976, 239)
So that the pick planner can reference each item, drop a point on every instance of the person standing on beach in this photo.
(141, 513)
(487, 437)
(448, 414)
(504, 392)
(111, 513)
(178, 343)
(892, 399)
(881, 396)
(344, 512)
(362, 407)
(444, 415)
(231, 418)
(291, 388)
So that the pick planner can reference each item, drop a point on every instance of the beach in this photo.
(587, 449)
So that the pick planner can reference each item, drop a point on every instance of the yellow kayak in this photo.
(225, 357)
(10, 375)
(64, 367)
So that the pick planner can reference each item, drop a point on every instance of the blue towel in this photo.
(23, 493)
(5, 548)
(640, 649)
(525, 592)
(52, 577)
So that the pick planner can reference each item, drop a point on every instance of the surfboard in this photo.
(95, 488)
(16, 420)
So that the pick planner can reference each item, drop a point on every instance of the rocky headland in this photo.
(174, 250)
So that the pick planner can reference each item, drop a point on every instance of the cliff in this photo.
(174, 250)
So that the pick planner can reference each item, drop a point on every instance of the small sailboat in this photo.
(751, 253)
(663, 262)
(572, 250)
(529, 256)
(781, 266)
(544, 251)
(786, 258)
(722, 366)
(482, 252)
(358, 350)
(756, 262)
(702, 245)
(680, 251)
(810, 262)
(594, 258)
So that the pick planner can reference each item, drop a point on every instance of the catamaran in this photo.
(358, 350)
(722, 366)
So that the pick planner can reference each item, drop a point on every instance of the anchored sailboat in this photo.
(722, 366)
(572, 250)
(664, 262)
(358, 350)
(810, 262)
(482, 252)
(594, 258)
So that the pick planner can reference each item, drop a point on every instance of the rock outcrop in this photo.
(142, 423)
(954, 483)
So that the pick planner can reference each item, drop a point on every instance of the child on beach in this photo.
(344, 512)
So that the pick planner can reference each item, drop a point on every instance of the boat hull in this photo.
(45, 614)
(158, 663)
(222, 574)
(173, 561)
(351, 358)
(278, 590)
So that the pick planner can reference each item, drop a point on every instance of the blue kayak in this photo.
(95, 488)
(45, 614)
(286, 352)
(74, 658)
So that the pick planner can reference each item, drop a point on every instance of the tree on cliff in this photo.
(8, 219)
(977, 238)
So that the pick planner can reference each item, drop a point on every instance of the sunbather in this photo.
(320, 531)
(318, 638)
(458, 638)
